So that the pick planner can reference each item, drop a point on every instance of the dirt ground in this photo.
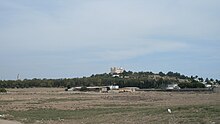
(58, 99)
(8, 122)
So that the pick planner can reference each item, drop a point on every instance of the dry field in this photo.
(56, 106)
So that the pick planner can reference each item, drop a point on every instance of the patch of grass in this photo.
(181, 114)
(197, 113)
(3, 90)
(54, 114)
(123, 105)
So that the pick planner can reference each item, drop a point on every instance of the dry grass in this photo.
(54, 105)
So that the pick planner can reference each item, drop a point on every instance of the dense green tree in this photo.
(162, 74)
(3, 90)
(193, 84)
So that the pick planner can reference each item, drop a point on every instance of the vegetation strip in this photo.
(194, 113)
(125, 79)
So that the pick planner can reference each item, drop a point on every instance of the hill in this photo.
(124, 79)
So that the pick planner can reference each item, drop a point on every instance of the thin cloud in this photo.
(139, 49)
(104, 31)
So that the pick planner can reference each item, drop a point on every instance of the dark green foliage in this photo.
(193, 84)
(3, 90)
(84, 88)
(125, 79)
(162, 74)
(177, 75)
(217, 81)
(201, 79)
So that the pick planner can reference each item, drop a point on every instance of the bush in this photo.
(191, 85)
(84, 88)
(3, 90)
(199, 85)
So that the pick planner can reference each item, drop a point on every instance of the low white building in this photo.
(208, 85)
(115, 87)
(172, 86)
(128, 89)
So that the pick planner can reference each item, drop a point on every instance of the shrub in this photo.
(84, 88)
(191, 85)
(3, 90)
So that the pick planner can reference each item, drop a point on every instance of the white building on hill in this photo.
(115, 70)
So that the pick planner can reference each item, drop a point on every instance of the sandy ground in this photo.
(8, 122)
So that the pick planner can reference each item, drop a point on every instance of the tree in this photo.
(3, 90)
(207, 81)
(201, 79)
(84, 88)
(193, 84)
(161, 74)
(169, 73)
(217, 81)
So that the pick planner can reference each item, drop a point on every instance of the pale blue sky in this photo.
(74, 38)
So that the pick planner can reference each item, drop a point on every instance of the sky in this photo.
(75, 38)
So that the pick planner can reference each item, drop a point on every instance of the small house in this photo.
(172, 86)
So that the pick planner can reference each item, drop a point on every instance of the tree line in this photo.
(125, 79)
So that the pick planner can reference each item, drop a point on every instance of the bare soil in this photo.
(58, 99)
(8, 122)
